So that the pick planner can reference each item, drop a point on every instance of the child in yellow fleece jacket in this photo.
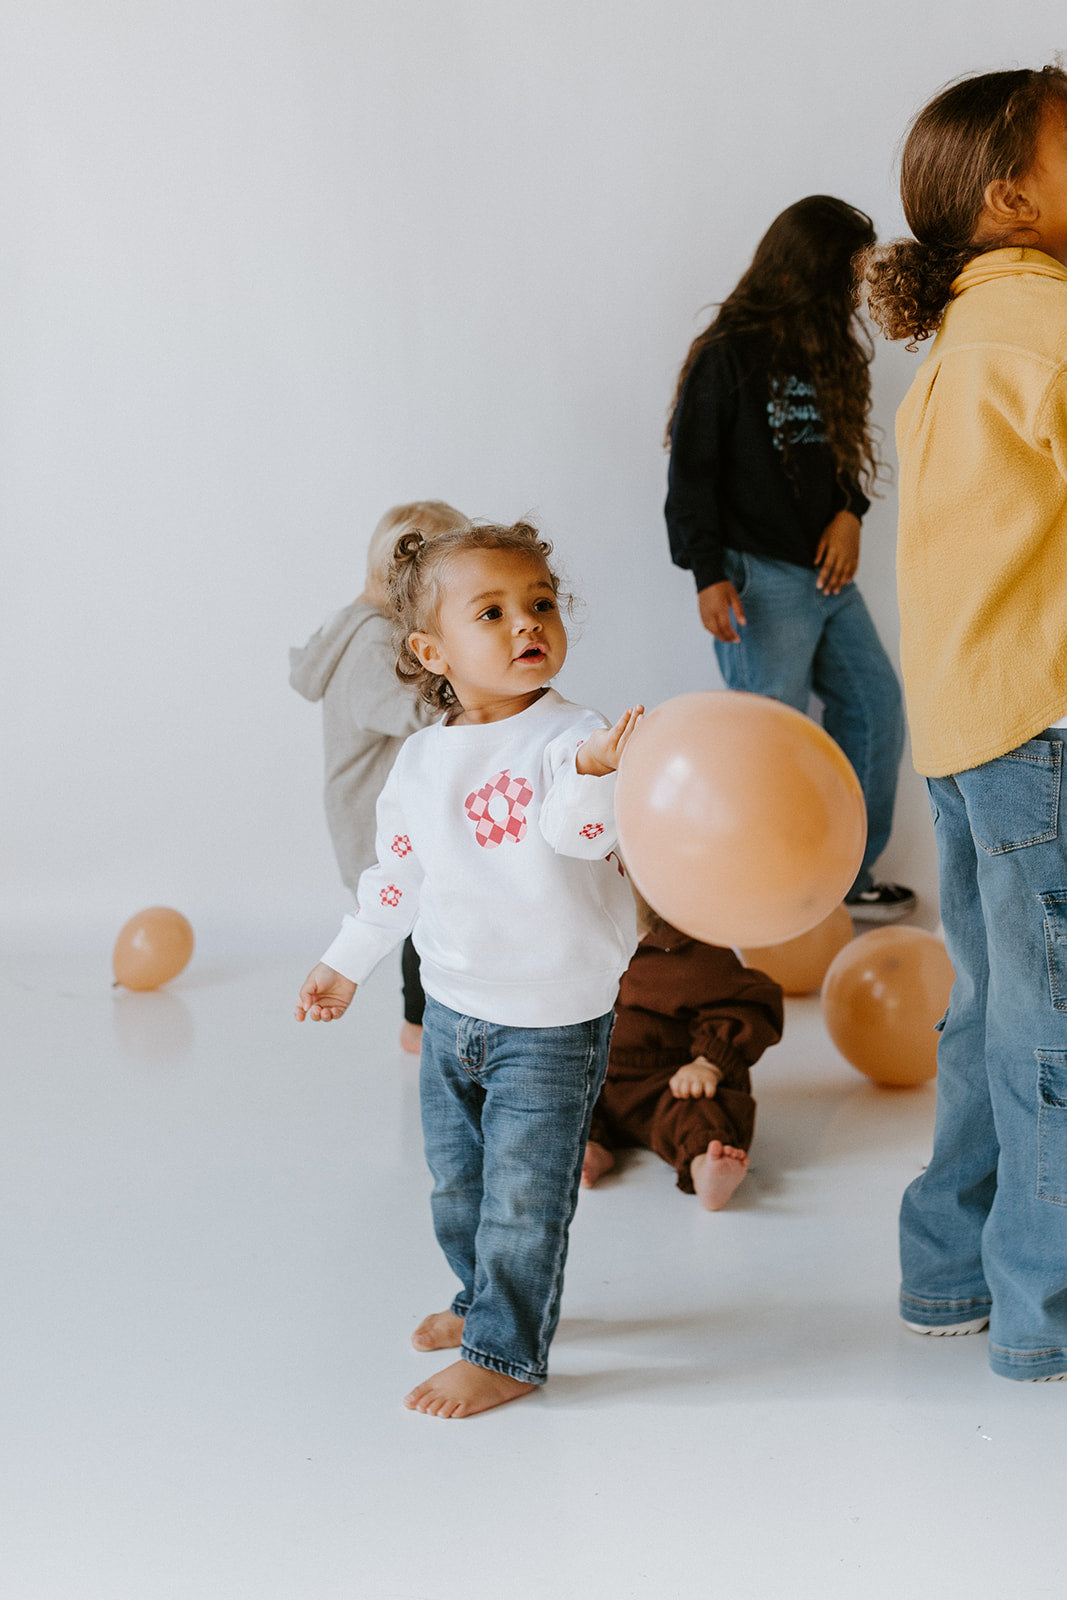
(982, 571)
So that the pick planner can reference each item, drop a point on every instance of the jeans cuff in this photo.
(510, 1369)
(459, 1307)
(1027, 1364)
(938, 1313)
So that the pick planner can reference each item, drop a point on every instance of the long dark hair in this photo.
(802, 293)
(975, 132)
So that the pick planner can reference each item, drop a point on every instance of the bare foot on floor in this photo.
(597, 1161)
(441, 1330)
(411, 1038)
(717, 1173)
(462, 1390)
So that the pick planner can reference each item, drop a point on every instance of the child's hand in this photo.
(838, 553)
(325, 995)
(602, 751)
(696, 1078)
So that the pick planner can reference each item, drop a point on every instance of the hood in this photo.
(1007, 264)
(311, 666)
(663, 936)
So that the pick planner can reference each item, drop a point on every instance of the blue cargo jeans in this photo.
(798, 642)
(505, 1117)
(984, 1228)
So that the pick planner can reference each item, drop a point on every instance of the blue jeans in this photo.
(797, 642)
(505, 1116)
(984, 1228)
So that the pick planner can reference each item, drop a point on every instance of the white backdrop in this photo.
(269, 267)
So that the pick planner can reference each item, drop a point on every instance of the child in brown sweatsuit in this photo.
(689, 1022)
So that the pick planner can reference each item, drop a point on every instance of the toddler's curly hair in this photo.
(416, 580)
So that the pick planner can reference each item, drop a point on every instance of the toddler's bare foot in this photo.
(441, 1330)
(462, 1390)
(596, 1162)
(717, 1173)
(411, 1038)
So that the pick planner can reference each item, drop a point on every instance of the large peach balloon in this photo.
(740, 820)
(881, 1000)
(800, 964)
(154, 946)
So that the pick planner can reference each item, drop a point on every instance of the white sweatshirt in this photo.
(498, 857)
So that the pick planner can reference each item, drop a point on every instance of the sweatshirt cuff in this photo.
(578, 816)
(708, 567)
(853, 499)
(358, 948)
(719, 1052)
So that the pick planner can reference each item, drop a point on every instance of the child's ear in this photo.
(1006, 204)
(427, 652)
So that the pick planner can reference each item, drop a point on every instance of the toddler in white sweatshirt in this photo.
(495, 847)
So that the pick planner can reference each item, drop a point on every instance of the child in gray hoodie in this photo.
(350, 665)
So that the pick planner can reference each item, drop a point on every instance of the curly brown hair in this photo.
(416, 580)
(976, 131)
(802, 293)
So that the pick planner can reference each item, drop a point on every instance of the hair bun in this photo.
(409, 544)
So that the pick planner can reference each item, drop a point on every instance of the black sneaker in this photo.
(882, 902)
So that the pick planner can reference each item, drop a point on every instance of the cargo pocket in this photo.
(1055, 904)
(1052, 1126)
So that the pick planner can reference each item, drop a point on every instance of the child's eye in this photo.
(545, 605)
(491, 614)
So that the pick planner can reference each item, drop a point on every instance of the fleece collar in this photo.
(1007, 263)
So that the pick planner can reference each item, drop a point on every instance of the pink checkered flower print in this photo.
(391, 895)
(515, 793)
(592, 830)
(401, 845)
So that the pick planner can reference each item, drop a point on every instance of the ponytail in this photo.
(978, 131)
(910, 286)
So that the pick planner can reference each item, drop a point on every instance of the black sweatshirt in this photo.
(728, 488)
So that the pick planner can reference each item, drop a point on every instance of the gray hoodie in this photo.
(366, 715)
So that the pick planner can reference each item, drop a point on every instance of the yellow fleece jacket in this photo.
(982, 547)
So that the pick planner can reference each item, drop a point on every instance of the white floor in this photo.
(216, 1242)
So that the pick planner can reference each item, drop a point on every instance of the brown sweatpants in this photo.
(637, 1108)
(680, 999)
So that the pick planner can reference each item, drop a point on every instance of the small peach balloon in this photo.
(881, 1000)
(740, 820)
(801, 964)
(153, 947)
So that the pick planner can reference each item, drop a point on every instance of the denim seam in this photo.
(1016, 844)
(509, 1369)
(963, 1304)
(1059, 999)
(850, 678)
(553, 1298)
(1023, 1357)
(1050, 1185)
(470, 1068)
(1051, 900)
